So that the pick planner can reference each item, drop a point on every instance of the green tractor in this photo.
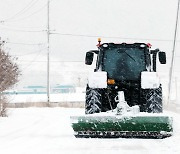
(124, 94)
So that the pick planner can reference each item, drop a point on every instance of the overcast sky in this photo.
(75, 26)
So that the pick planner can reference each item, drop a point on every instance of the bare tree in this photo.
(9, 74)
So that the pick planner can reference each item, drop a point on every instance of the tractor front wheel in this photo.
(93, 100)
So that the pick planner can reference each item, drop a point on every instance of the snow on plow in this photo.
(124, 121)
(143, 125)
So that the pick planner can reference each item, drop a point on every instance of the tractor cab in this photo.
(125, 61)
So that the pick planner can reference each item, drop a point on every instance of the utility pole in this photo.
(48, 74)
(173, 55)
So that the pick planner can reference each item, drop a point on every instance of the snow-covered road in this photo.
(48, 131)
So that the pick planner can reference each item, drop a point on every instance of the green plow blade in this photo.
(126, 126)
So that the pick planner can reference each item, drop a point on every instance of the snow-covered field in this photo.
(48, 131)
(21, 98)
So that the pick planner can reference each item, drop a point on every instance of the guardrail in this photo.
(46, 104)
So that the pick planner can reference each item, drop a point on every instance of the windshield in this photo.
(124, 63)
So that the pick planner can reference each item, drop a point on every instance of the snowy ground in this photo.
(48, 131)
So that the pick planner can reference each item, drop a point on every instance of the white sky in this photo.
(25, 21)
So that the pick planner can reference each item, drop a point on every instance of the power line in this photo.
(12, 26)
(27, 17)
(34, 59)
(30, 53)
(21, 43)
(25, 9)
(96, 36)
(18, 30)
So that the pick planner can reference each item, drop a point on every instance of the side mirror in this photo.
(162, 57)
(89, 58)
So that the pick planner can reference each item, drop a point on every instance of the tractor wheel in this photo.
(153, 99)
(93, 101)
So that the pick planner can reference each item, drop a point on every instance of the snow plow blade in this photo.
(126, 127)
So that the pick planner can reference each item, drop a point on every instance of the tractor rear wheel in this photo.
(153, 100)
(93, 102)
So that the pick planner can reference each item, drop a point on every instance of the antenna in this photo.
(173, 55)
